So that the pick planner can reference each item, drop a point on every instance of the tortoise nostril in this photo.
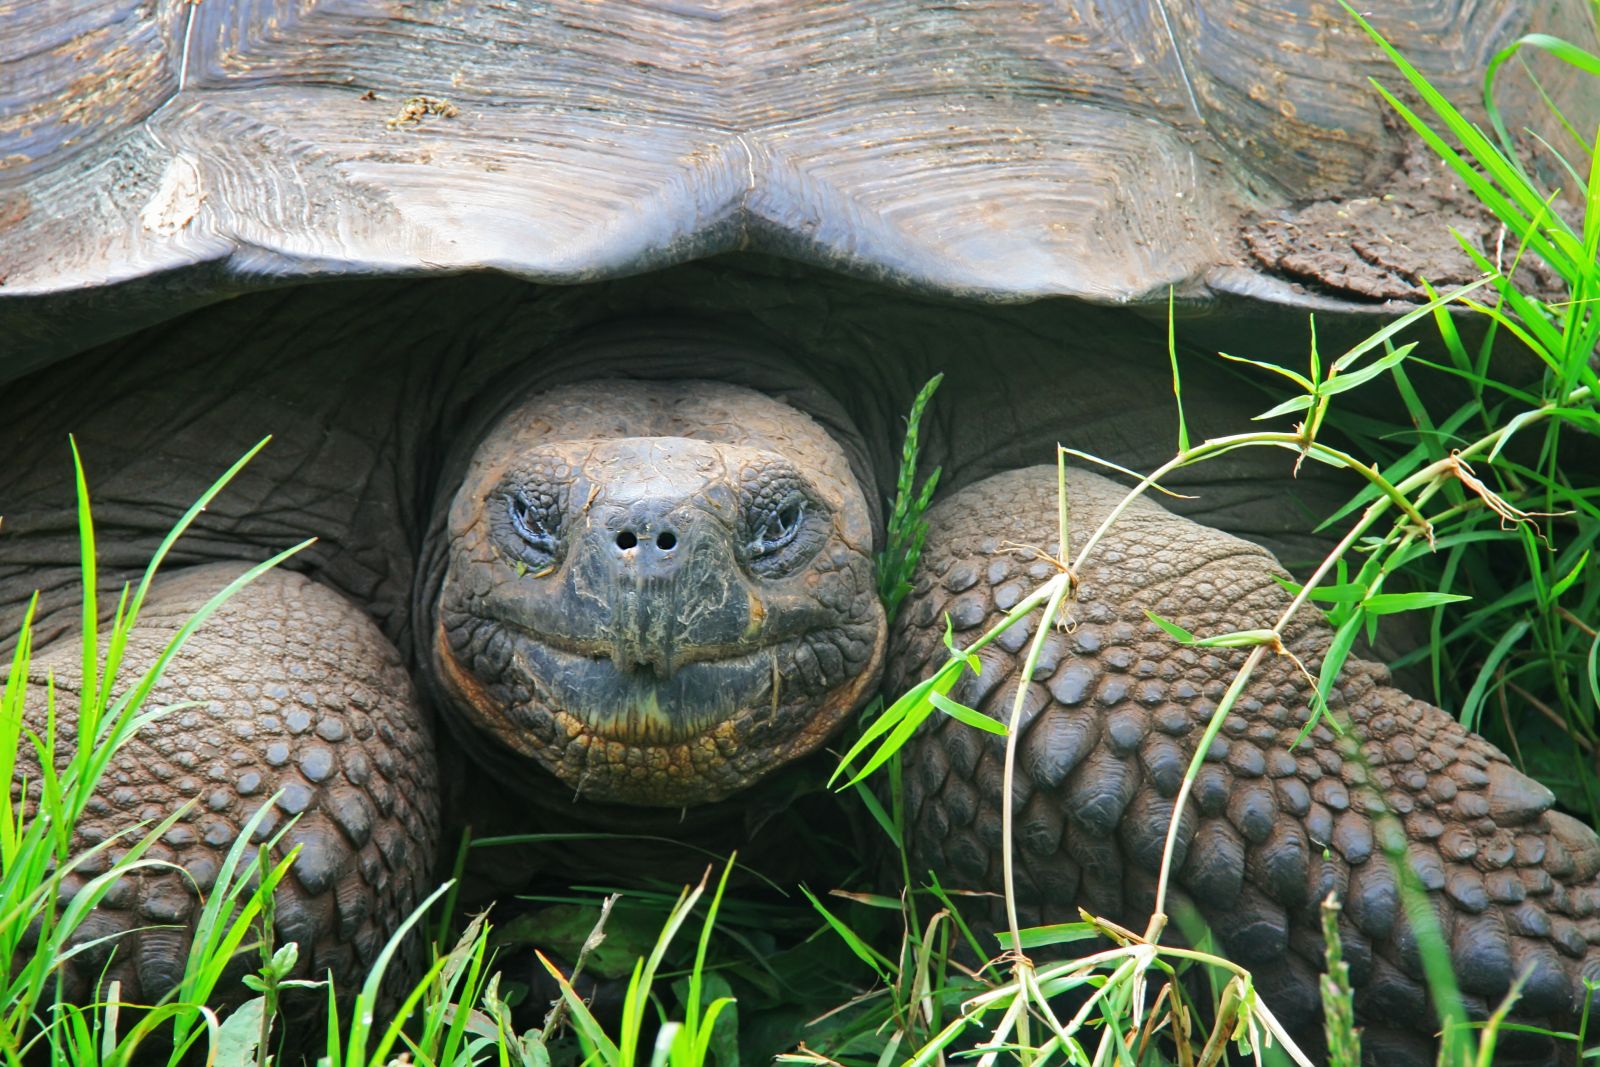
(627, 539)
(666, 540)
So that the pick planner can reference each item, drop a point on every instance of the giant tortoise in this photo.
(604, 552)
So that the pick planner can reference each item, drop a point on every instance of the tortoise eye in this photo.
(535, 525)
(779, 529)
(785, 523)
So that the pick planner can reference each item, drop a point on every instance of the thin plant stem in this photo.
(1007, 816)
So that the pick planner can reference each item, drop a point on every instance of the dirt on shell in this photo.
(1381, 247)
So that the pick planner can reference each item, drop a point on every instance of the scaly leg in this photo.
(298, 691)
(1113, 713)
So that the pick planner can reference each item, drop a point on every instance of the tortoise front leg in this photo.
(298, 692)
(1112, 717)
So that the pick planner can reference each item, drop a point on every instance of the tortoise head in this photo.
(658, 591)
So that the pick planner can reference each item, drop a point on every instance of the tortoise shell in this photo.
(991, 149)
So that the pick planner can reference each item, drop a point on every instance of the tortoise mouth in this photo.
(631, 736)
(648, 704)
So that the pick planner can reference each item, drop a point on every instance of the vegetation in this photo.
(1466, 517)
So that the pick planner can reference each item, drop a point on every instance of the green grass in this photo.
(905, 530)
(1466, 519)
(1528, 637)
(36, 835)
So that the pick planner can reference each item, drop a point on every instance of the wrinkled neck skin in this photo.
(650, 593)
